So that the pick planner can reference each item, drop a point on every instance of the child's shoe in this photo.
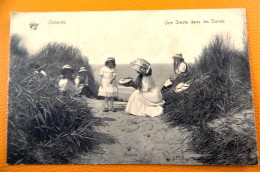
(113, 109)
(105, 110)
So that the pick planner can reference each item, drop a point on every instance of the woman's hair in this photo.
(82, 77)
(110, 61)
(138, 81)
(149, 73)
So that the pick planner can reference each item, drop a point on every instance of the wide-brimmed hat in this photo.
(179, 56)
(110, 59)
(82, 69)
(67, 67)
(141, 65)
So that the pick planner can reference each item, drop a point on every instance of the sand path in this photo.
(132, 139)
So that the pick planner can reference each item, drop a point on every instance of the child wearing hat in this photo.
(179, 65)
(81, 83)
(108, 85)
(180, 72)
(66, 84)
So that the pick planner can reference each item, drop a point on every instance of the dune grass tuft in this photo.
(219, 86)
(45, 127)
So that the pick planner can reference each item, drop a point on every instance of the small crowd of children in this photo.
(147, 100)
(71, 87)
(108, 85)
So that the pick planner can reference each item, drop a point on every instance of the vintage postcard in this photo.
(130, 87)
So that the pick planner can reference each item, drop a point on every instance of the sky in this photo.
(128, 35)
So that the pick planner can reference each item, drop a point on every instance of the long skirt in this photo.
(147, 103)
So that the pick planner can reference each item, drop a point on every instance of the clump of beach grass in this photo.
(53, 56)
(219, 86)
(45, 127)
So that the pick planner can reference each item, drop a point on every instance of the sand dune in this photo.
(132, 139)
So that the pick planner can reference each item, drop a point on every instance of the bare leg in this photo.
(106, 104)
(112, 104)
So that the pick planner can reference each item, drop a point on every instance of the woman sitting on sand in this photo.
(146, 100)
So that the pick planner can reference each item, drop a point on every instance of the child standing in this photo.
(108, 85)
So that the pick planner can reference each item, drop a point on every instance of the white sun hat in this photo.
(67, 67)
(82, 69)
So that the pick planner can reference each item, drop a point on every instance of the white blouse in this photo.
(65, 85)
(181, 68)
(147, 83)
(78, 83)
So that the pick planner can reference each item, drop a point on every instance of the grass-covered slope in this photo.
(43, 126)
(219, 87)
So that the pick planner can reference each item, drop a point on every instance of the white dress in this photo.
(146, 102)
(67, 86)
(107, 89)
(181, 68)
(80, 83)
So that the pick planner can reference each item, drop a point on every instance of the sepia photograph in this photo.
(130, 87)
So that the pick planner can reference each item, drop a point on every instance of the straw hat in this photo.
(125, 81)
(67, 67)
(179, 56)
(141, 65)
(110, 59)
(82, 69)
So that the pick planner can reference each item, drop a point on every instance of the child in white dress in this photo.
(108, 85)
(147, 100)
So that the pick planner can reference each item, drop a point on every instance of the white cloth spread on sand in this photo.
(107, 89)
(146, 102)
(181, 87)
(180, 69)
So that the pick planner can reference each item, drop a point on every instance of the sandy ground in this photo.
(129, 139)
